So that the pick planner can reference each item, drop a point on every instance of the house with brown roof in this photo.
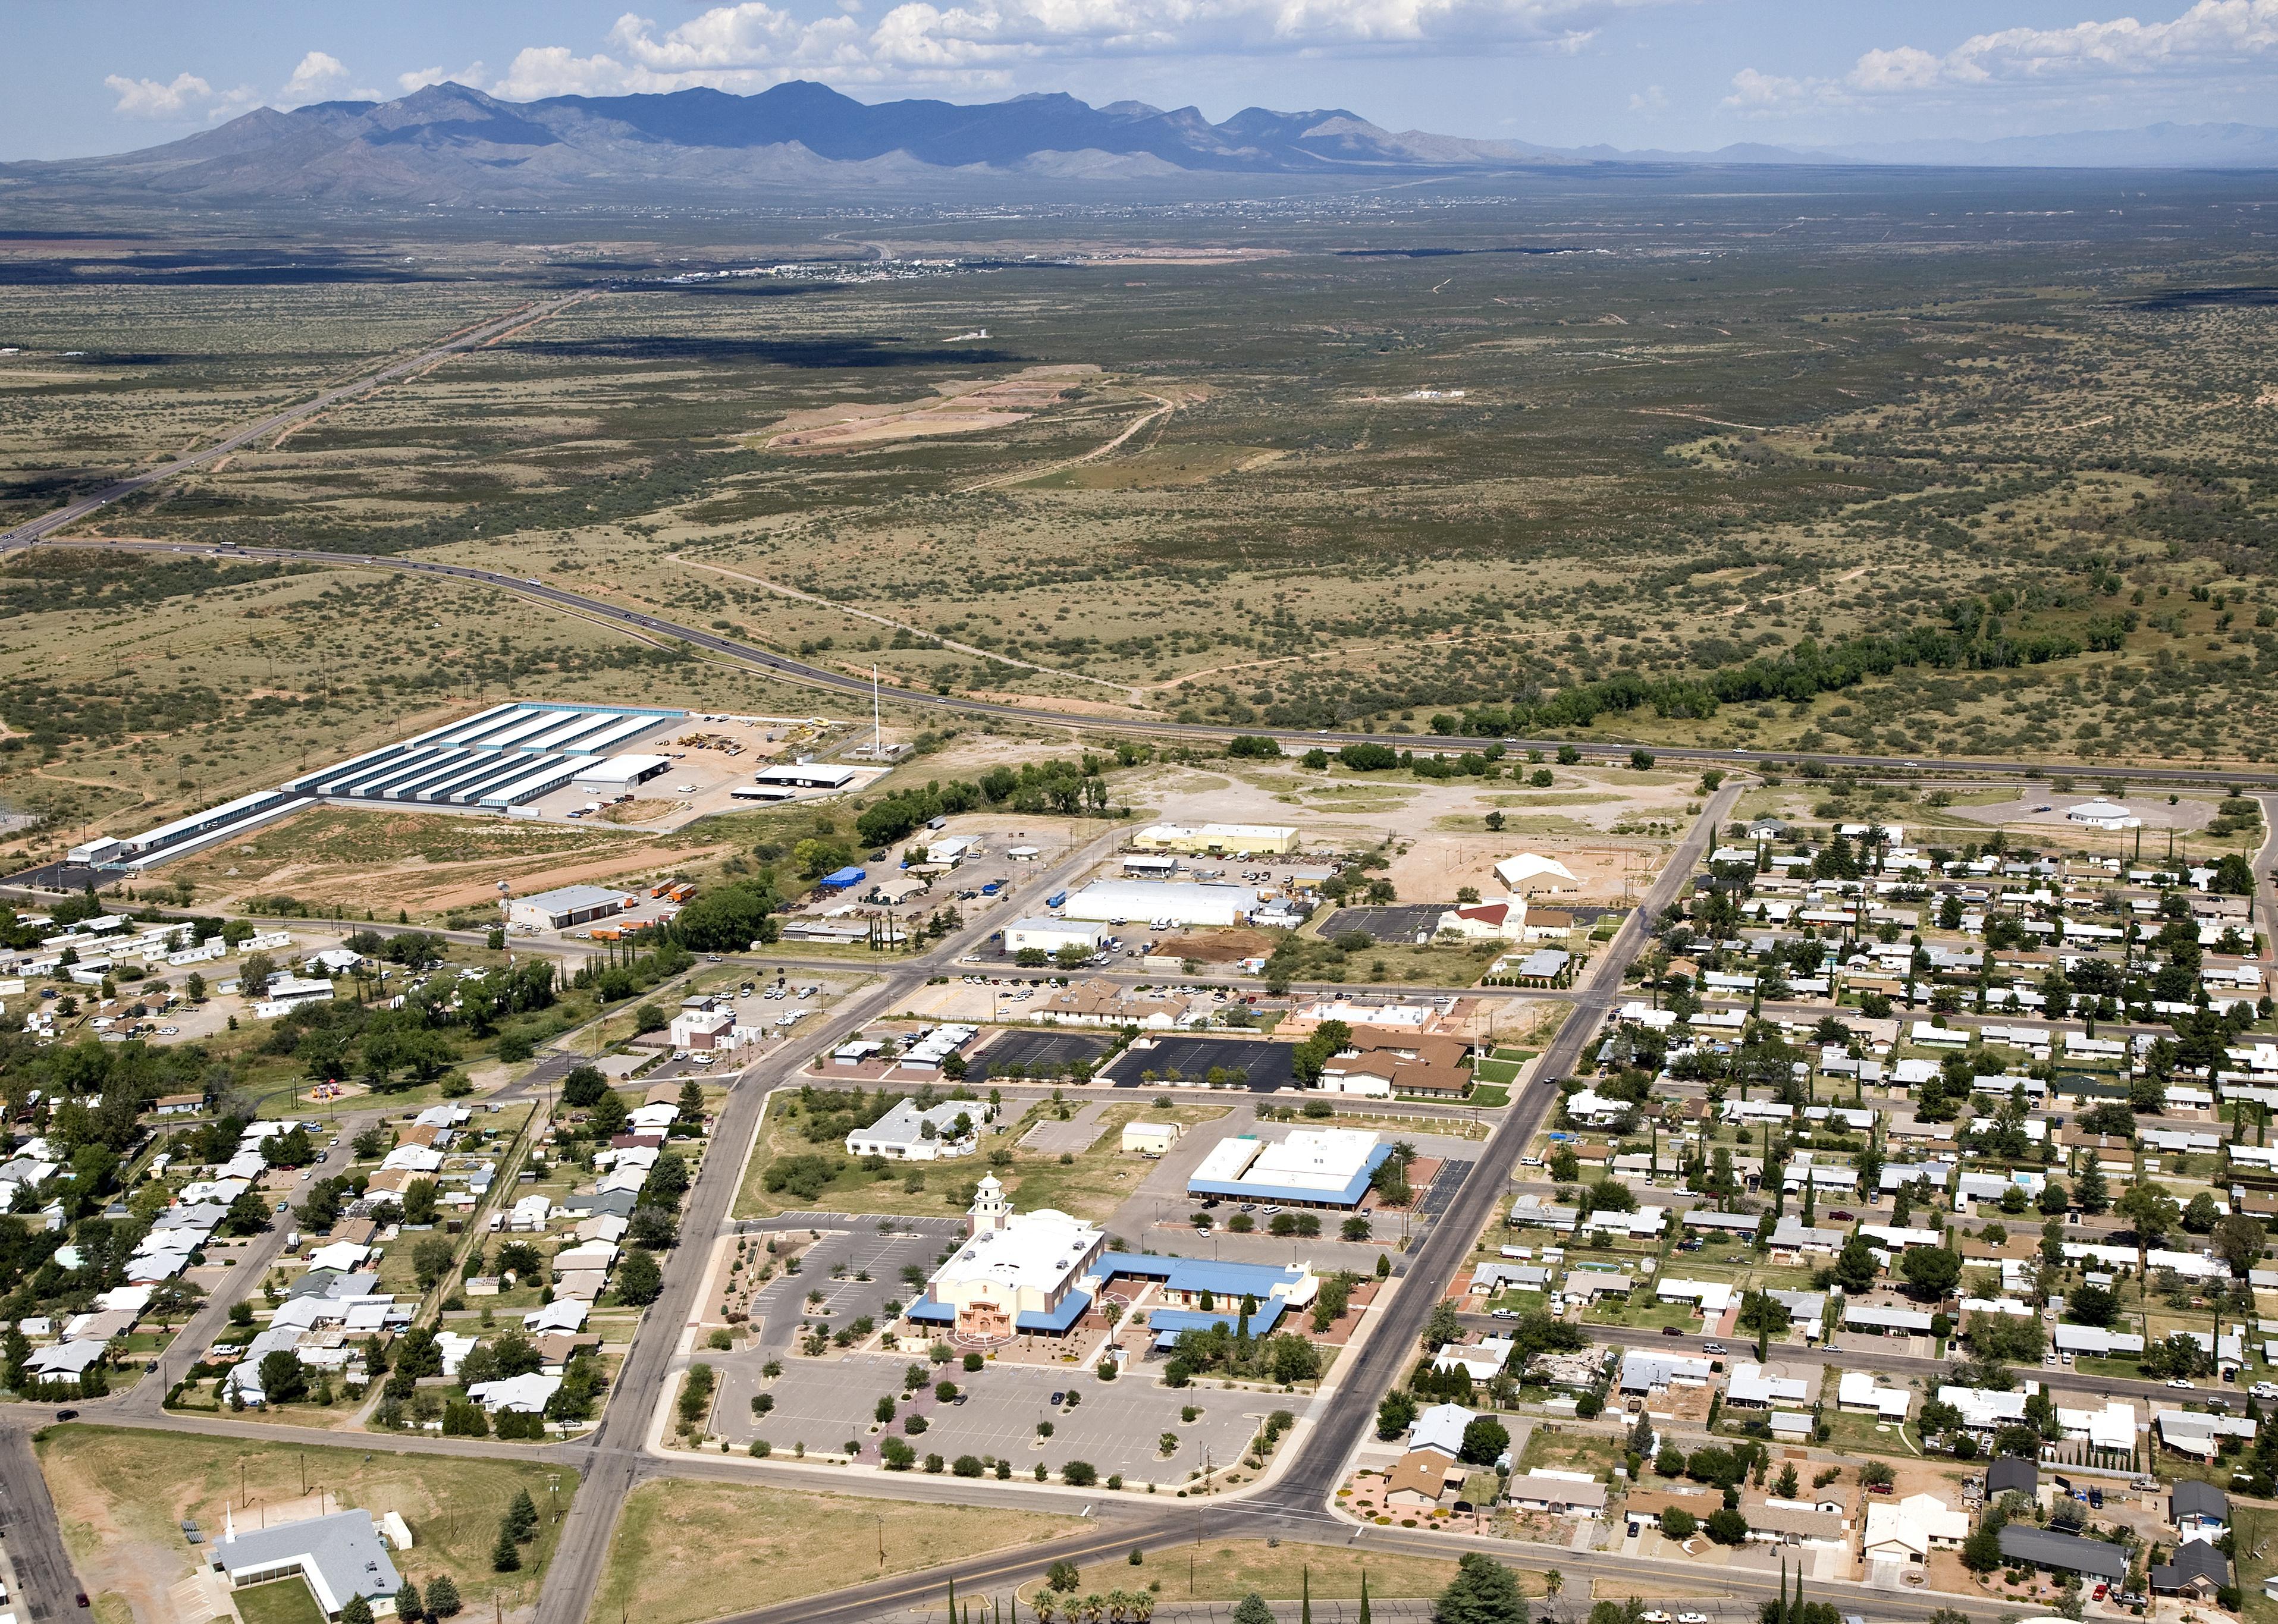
(1381, 1063)
(1789, 1525)
(1645, 1505)
(1419, 1481)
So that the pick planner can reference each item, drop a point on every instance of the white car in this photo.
(683, 789)
(1654, 1616)
(2177, 1381)
(1692, 1618)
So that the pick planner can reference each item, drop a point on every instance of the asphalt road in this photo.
(792, 670)
(33, 530)
(46, 1585)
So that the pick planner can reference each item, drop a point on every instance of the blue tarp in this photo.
(844, 879)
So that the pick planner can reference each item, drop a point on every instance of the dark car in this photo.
(66, 1415)
(82, 1599)
(1059, 1398)
(1671, 1331)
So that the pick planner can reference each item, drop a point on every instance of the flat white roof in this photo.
(623, 769)
(830, 774)
(1324, 1159)
(1034, 1252)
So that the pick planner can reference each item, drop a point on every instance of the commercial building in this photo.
(1118, 902)
(907, 1134)
(570, 904)
(1050, 935)
(1019, 1272)
(1531, 872)
(620, 774)
(342, 1556)
(1311, 1166)
(1381, 1064)
(1218, 839)
(1195, 1293)
(805, 775)
(1150, 1138)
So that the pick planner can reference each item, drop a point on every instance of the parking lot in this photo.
(1116, 1426)
(782, 1302)
(1266, 1064)
(1036, 1054)
(1398, 923)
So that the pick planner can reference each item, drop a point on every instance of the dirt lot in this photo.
(961, 407)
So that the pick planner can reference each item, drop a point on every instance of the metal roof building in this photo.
(341, 1556)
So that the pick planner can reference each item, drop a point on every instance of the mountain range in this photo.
(448, 144)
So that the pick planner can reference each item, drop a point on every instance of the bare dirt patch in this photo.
(962, 407)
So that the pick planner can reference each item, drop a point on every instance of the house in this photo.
(1906, 1533)
(2198, 1510)
(1417, 1481)
(1441, 1428)
(1150, 1138)
(2196, 1570)
(1859, 1394)
(342, 1556)
(524, 1394)
(1794, 1525)
(1648, 1506)
(1648, 1372)
(1561, 1494)
(2191, 1432)
(1756, 1387)
(907, 1134)
(2006, 1473)
(2023, 1546)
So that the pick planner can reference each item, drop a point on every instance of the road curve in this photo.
(799, 672)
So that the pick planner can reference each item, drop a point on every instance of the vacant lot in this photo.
(686, 1552)
(121, 1495)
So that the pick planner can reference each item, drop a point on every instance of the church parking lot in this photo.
(1116, 1426)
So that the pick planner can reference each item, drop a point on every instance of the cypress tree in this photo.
(1305, 1602)
(1364, 1597)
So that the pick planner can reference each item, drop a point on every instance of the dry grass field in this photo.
(1550, 464)
(686, 1552)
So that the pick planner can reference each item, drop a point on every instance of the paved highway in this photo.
(33, 530)
(651, 626)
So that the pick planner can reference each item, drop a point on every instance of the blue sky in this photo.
(109, 75)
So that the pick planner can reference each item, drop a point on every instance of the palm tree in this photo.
(1142, 1606)
(1046, 1606)
(1093, 1608)
(1553, 1581)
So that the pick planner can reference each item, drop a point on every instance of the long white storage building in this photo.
(1143, 902)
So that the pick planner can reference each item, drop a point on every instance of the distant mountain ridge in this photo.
(448, 144)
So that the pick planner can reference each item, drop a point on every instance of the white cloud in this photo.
(750, 45)
(1652, 99)
(186, 95)
(2212, 35)
(147, 98)
(312, 80)
(419, 78)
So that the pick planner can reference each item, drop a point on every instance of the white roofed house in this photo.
(1441, 1428)
(1757, 1387)
(1858, 1392)
(342, 1556)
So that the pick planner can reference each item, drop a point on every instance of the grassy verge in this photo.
(691, 1551)
(1488, 1094)
(121, 1493)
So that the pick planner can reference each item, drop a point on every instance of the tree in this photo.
(2093, 1305)
(1252, 1609)
(506, 1556)
(1442, 1327)
(2238, 1241)
(1726, 1527)
(408, 1605)
(584, 1087)
(1484, 1441)
(1679, 1524)
(284, 1378)
(1483, 1591)
(442, 1596)
(2092, 1190)
(1930, 1272)
(357, 1610)
(650, 1018)
(2200, 1215)
(608, 1117)
(522, 1515)
(1395, 1415)
(639, 1280)
(1981, 1552)
(1855, 1268)
(2152, 1213)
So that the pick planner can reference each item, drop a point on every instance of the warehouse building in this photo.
(805, 775)
(1218, 839)
(619, 774)
(1117, 902)
(559, 909)
(1313, 1167)
(499, 759)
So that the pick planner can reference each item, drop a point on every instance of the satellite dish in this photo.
(505, 887)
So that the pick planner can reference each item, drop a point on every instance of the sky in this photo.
(114, 75)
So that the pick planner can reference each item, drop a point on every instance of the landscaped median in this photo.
(685, 1551)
